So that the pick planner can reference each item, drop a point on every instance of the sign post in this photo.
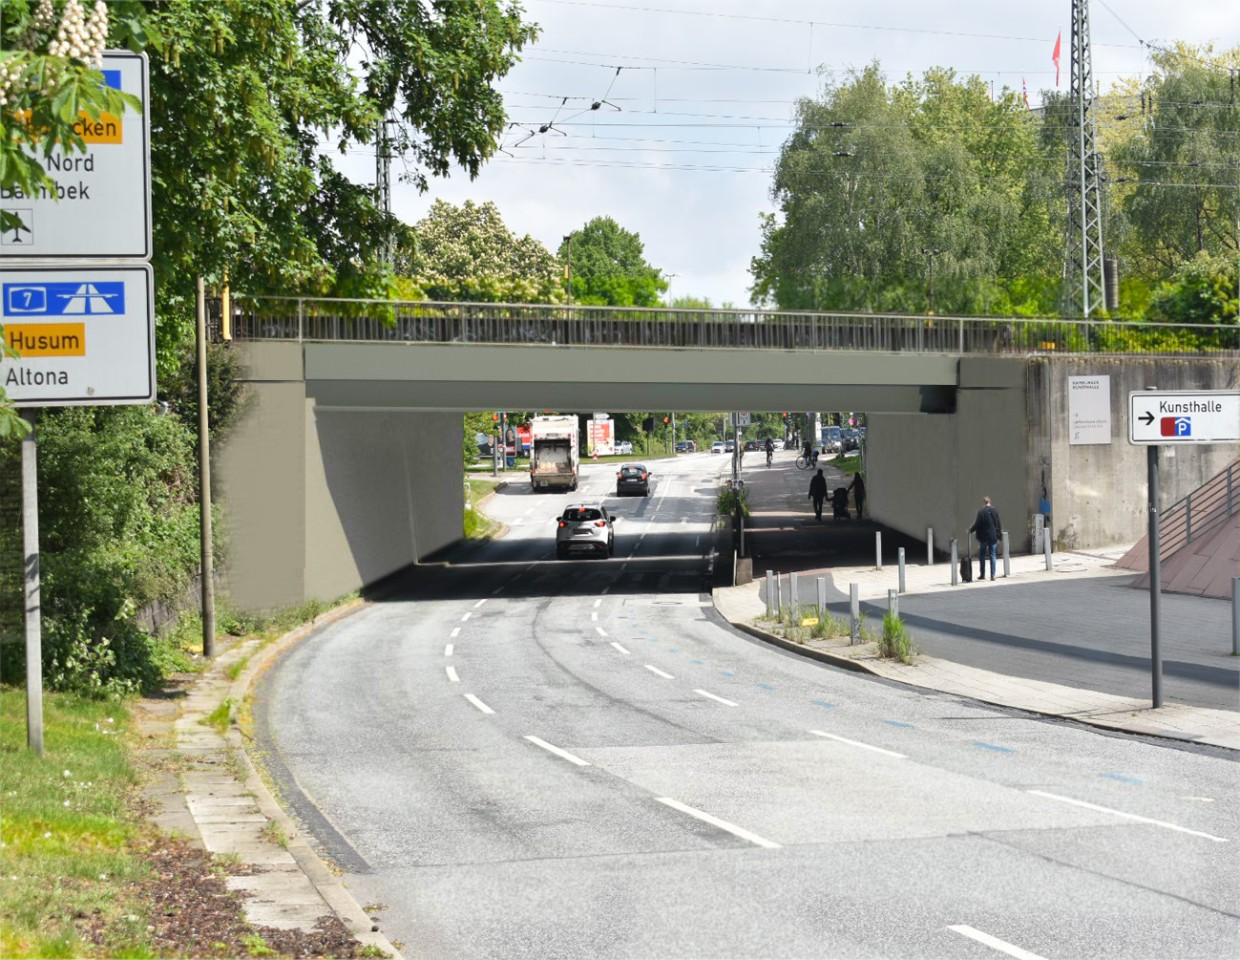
(1156, 418)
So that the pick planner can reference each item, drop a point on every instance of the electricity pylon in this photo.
(1084, 291)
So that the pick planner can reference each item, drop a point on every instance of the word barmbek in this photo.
(20, 377)
(79, 192)
(1189, 406)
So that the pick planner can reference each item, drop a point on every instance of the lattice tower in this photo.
(1083, 266)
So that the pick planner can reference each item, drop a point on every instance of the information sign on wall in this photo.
(1089, 410)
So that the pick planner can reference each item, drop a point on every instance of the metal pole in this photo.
(929, 546)
(794, 596)
(822, 599)
(1037, 533)
(1151, 461)
(854, 612)
(770, 591)
(1047, 546)
(1007, 558)
(34, 614)
(204, 483)
(955, 564)
(878, 549)
(900, 555)
(1235, 616)
(893, 603)
(779, 597)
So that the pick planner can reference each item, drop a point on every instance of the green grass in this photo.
(66, 838)
(895, 641)
(848, 464)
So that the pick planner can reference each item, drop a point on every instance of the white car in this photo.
(623, 448)
(718, 447)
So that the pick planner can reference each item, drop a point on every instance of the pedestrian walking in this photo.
(858, 491)
(988, 528)
(818, 492)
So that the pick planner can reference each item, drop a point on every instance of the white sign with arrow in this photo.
(1191, 416)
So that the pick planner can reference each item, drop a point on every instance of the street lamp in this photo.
(568, 269)
(932, 254)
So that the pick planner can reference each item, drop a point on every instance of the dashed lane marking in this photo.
(466, 617)
(1129, 816)
(456, 632)
(447, 650)
(620, 648)
(551, 748)
(480, 603)
(451, 671)
(858, 743)
(478, 703)
(721, 824)
(601, 631)
(993, 942)
(726, 703)
(657, 672)
(597, 601)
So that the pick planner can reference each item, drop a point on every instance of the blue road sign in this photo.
(94, 298)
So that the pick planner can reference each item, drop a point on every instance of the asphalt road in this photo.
(520, 757)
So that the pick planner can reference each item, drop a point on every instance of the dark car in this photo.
(633, 478)
(686, 446)
(753, 445)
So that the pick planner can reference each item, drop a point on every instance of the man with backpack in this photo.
(988, 529)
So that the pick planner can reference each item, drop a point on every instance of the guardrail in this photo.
(591, 326)
(1200, 512)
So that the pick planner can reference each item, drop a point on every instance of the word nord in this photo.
(63, 164)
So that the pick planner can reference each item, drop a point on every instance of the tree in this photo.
(913, 197)
(467, 253)
(1201, 291)
(608, 266)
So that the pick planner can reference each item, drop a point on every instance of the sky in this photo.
(697, 96)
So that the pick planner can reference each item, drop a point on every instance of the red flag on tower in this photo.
(1055, 55)
(1024, 93)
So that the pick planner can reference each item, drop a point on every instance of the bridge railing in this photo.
(273, 318)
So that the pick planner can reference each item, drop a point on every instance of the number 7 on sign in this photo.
(25, 299)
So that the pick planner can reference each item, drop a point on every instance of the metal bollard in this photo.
(822, 599)
(878, 549)
(1007, 558)
(779, 597)
(929, 546)
(893, 603)
(794, 597)
(955, 565)
(1235, 616)
(1046, 540)
(770, 591)
(1037, 533)
(900, 555)
(854, 612)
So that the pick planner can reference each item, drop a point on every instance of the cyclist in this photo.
(770, 451)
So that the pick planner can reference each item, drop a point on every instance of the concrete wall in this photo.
(320, 501)
(1010, 435)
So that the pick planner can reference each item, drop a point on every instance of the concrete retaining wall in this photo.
(319, 502)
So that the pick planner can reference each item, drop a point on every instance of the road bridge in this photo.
(347, 466)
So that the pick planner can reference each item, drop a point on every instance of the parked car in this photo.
(832, 440)
(623, 448)
(752, 445)
(584, 528)
(729, 446)
(633, 478)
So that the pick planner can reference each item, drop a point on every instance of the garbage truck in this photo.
(554, 456)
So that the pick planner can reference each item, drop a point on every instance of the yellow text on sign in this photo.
(46, 339)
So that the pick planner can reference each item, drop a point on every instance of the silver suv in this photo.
(584, 528)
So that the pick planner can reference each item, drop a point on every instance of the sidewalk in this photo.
(787, 538)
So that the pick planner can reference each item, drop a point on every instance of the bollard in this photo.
(794, 597)
(1037, 534)
(854, 613)
(822, 599)
(878, 549)
(741, 527)
(1235, 616)
(1007, 558)
(893, 603)
(929, 546)
(770, 591)
(779, 598)
(1046, 540)
(900, 556)
(955, 565)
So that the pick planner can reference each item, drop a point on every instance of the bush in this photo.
(895, 641)
(728, 499)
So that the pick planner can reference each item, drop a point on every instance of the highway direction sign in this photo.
(1191, 416)
(85, 335)
(101, 205)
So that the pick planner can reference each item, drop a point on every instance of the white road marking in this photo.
(657, 672)
(858, 743)
(497, 591)
(993, 942)
(451, 671)
(480, 603)
(601, 631)
(447, 650)
(726, 703)
(466, 617)
(620, 648)
(550, 748)
(597, 602)
(721, 824)
(1129, 816)
(456, 632)
(593, 614)
(605, 589)
(478, 703)
(1199, 799)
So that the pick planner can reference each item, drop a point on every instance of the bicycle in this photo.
(807, 463)
(769, 457)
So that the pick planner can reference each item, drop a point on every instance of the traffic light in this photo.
(666, 421)
(648, 425)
